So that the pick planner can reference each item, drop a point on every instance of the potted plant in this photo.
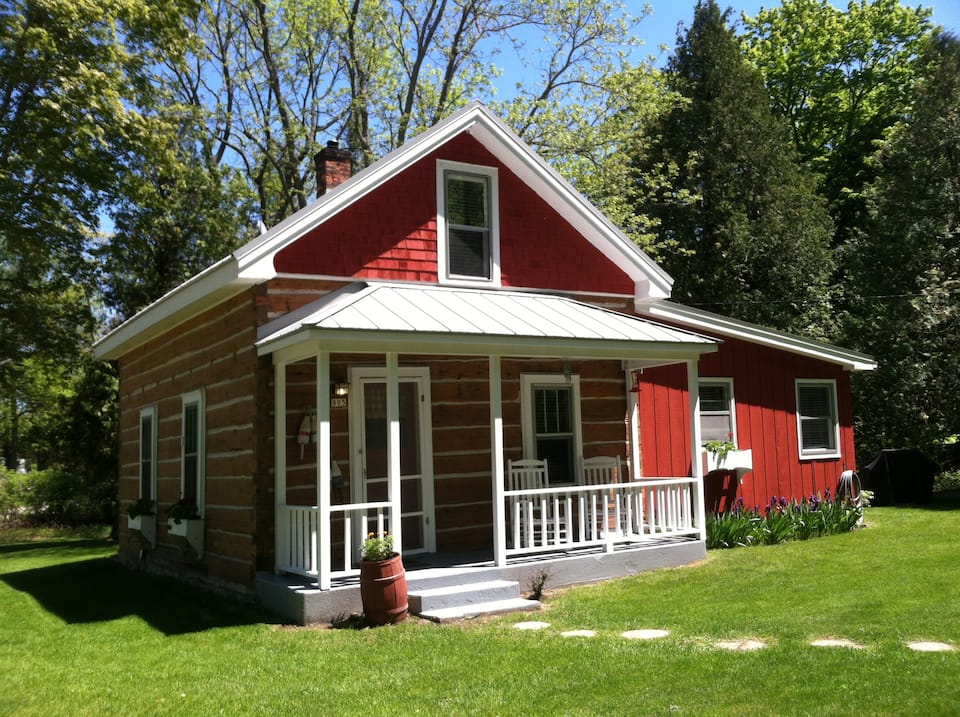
(142, 517)
(718, 450)
(724, 456)
(383, 581)
(183, 519)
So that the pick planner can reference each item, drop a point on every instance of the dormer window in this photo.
(468, 249)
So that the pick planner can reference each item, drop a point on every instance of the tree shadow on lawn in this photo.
(101, 590)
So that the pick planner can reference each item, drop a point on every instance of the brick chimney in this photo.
(333, 166)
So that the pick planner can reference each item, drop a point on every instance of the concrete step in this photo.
(437, 598)
(493, 607)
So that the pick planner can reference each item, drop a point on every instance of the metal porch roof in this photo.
(431, 316)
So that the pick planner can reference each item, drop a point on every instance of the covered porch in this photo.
(407, 391)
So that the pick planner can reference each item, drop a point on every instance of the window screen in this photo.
(716, 416)
(146, 455)
(191, 452)
(468, 225)
(553, 427)
(817, 416)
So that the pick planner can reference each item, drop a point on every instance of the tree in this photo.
(276, 79)
(751, 234)
(174, 214)
(71, 77)
(841, 78)
(905, 266)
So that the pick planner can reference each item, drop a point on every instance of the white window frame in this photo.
(807, 454)
(189, 399)
(151, 413)
(530, 381)
(731, 401)
(492, 177)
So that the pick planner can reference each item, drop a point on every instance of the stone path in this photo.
(745, 644)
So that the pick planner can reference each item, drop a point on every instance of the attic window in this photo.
(467, 224)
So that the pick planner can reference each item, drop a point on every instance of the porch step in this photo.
(452, 602)
(494, 607)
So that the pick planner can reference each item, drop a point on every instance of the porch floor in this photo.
(298, 599)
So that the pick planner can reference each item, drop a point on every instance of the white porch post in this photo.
(324, 566)
(633, 426)
(393, 449)
(696, 464)
(496, 457)
(281, 525)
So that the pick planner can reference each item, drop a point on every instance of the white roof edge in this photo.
(708, 321)
(207, 287)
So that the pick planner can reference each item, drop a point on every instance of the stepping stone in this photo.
(744, 645)
(579, 633)
(931, 646)
(532, 625)
(644, 634)
(837, 642)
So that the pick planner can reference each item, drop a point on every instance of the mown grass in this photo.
(81, 636)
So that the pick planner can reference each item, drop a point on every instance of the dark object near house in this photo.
(899, 475)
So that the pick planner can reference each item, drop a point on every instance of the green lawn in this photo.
(81, 636)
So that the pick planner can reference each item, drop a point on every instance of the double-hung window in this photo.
(718, 418)
(148, 453)
(818, 428)
(192, 450)
(550, 405)
(467, 223)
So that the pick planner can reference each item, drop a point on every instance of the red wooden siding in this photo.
(764, 392)
(392, 234)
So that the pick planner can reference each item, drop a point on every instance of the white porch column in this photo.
(324, 559)
(393, 449)
(633, 426)
(496, 457)
(696, 464)
(281, 525)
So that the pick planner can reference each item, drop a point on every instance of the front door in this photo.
(369, 446)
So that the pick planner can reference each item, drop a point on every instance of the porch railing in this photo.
(300, 537)
(548, 519)
(538, 521)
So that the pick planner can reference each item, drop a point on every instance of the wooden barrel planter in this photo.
(383, 590)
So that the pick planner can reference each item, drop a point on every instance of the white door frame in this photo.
(420, 375)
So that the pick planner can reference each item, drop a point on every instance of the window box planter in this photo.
(146, 525)
(738, 461)
(189, 528)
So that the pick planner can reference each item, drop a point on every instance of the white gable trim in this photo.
(715, 324)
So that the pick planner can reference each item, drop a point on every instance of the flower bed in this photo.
(782, 520)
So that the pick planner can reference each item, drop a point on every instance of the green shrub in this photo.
(782, 520)
(50, 497)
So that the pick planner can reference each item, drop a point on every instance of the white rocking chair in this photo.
(535, 520)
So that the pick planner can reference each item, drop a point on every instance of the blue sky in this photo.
(661, 27)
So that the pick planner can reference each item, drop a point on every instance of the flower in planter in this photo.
(141, 506)
(720, 449)
(183, 510)
(377, 547)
